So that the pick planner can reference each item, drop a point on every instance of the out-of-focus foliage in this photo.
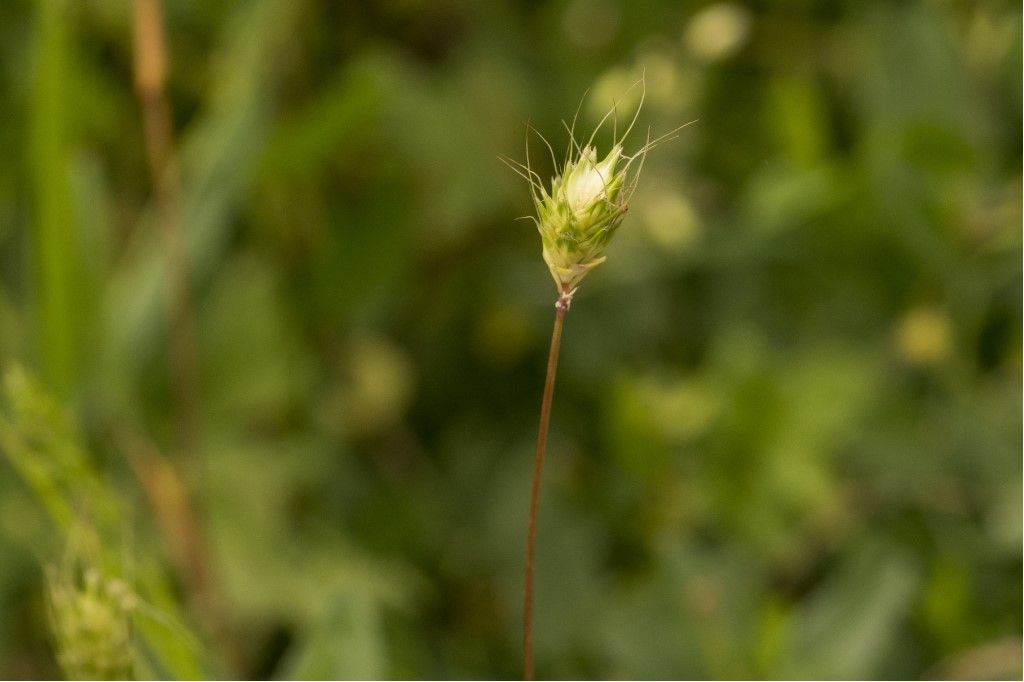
(97, 590)
(787, 433)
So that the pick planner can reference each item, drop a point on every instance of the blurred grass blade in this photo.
(346, 645)
(218, 158)
(55, 246)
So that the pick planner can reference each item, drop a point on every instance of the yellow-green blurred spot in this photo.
(91, 618)
(380, 385)
(613, 90)
(670, 221)
(718, 31)
(924, 336)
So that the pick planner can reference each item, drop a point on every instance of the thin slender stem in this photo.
(561, 308)
(171, 487)
(150, 85)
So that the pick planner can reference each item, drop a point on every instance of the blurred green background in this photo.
(786, 438)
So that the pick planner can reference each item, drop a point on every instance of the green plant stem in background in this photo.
(561, 308)
(57, 265)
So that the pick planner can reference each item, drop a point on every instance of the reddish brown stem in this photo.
(170, 484)
(150, 84)
(561, 308)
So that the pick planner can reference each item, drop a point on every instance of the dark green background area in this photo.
(786, 438)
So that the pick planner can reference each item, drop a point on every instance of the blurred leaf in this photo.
(847, 628)
(345, 645)
(45, 449)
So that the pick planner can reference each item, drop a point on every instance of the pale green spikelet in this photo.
(587, 200)
(579, 216)
(90, 615)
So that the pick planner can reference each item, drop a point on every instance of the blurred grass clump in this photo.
(787, 441)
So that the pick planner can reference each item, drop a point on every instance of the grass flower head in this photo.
(586, 201)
